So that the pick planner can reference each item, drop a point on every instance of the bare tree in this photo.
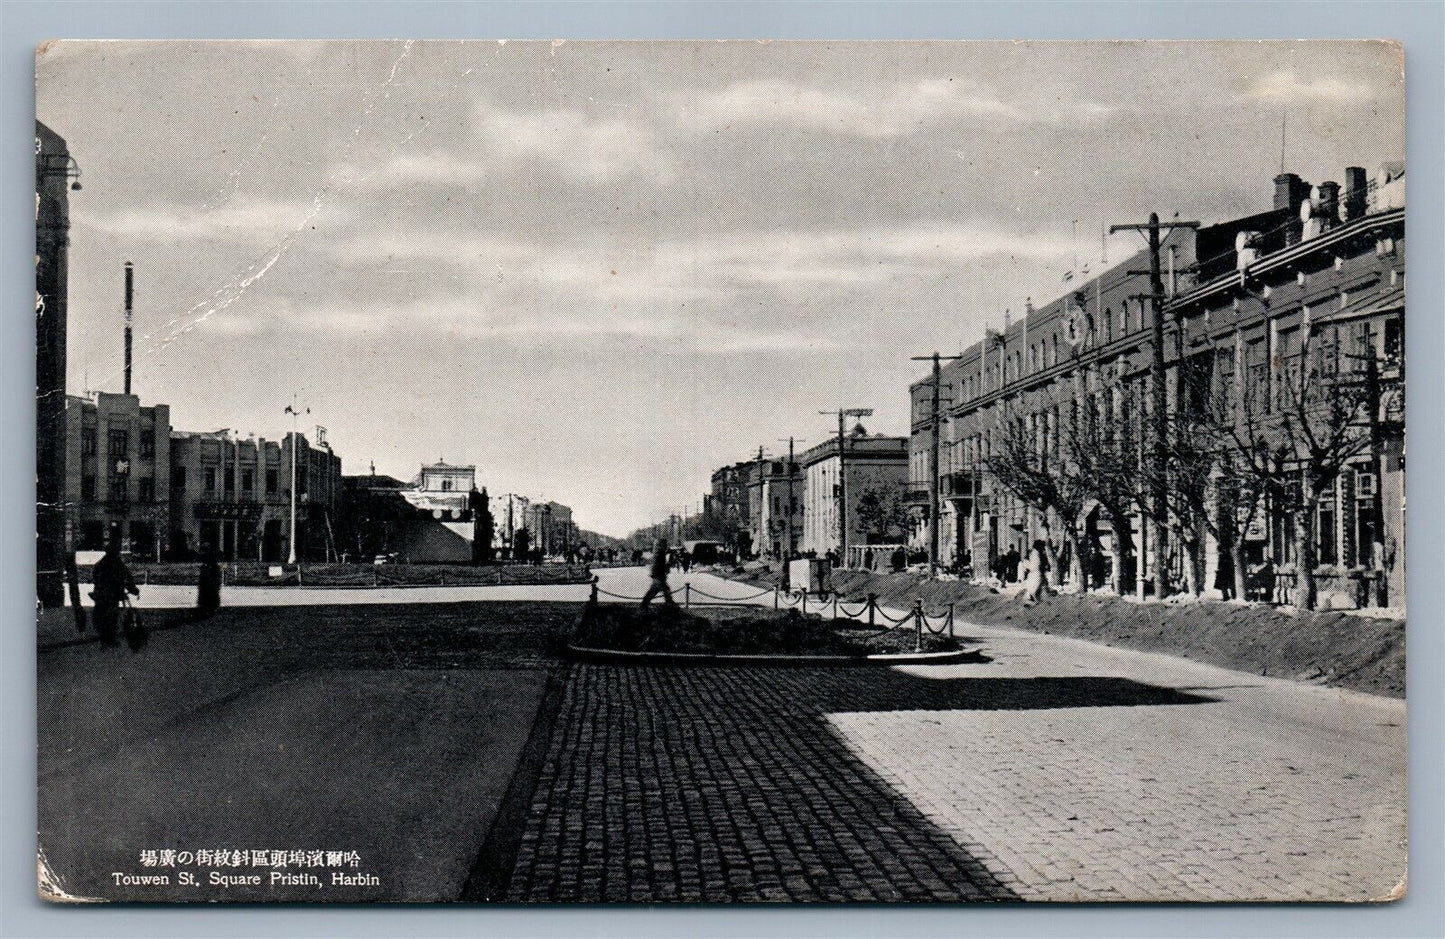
(1026, 461)
(1296, 430)
(1103, 438)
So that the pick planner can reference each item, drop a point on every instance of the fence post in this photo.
(776, 601)
(687, 596)
(872, 607)
(835, 604)
(444, 577)
(950, 621)
(375, 577)
(804, 596)
(918, 625)
(593, 598)
(298, 574)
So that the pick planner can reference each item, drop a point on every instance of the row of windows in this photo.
(228, 478)
(118, 443)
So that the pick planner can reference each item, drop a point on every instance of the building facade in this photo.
(728, 507)
(775, 507)
(1321, 274)
(232, 495)
(117, 458)
(868, 470)
(55, 174)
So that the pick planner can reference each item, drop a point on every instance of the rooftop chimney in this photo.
(1290, 192)
(1357, 189)
(129, 298)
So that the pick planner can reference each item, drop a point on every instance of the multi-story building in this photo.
(117, 455)
(232, 495)
(551, 527)
(55, 176)
(1320, 269)
(728, 504)
(775, 507)
(509, 515)
(870, 471)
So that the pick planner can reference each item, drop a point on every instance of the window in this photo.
(210, 476)
(147, 444)
(1394, 340)
(271, 482)
(118, 443)
(1366, 526)
(87, 441)
(1287, 349)
(446, 485)
(87, 488)
(147, 490)
(230, 479)
(248, 480)
(117, 491)
(1325, 528)
(178, 478)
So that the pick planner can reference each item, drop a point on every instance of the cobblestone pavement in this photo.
(1060, 771)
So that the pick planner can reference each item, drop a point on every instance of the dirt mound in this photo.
(1335, 648)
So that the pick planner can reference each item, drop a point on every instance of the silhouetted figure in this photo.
(660, 564)
(111, 581)
(208, 583)
(899, 559)
(1011, 565)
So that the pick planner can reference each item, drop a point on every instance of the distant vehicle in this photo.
(705, 552)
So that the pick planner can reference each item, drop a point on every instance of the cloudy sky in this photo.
(600, 270)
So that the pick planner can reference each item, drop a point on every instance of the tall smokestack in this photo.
(129, 300)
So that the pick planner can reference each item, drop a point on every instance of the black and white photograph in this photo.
(720, 472)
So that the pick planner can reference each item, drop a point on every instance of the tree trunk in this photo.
(1189, 555)
(1304, 580)
(1076, 563)
(1116, 555)
(1241, 578)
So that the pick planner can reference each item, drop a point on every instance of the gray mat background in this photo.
(1420, 25)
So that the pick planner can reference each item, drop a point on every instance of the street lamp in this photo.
(295, 411)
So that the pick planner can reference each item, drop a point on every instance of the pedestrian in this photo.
(684, 558)
(1011, 562)
(111, 581)
(208, 583)
(1224, 576)
(898, 560)
(660, 564)
(1036, 567)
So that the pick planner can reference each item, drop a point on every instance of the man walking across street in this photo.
(112, 581)
(659, 576)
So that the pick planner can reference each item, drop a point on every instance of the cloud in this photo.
(887, 110)
(248, 219)
(582, 148)
(1287, 87)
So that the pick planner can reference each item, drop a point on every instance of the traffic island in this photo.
(670, 635)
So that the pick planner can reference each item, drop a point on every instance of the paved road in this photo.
(1062, 770)
(391, 731)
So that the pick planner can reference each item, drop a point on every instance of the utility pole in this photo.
(935, 513)
(1159, 456)
(295, 411)
(842, 488)
(792, 502)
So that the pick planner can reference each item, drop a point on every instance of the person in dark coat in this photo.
(1224, 576)
(208, 583)
(1011, 562)
(660, 563)
(111, 580)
